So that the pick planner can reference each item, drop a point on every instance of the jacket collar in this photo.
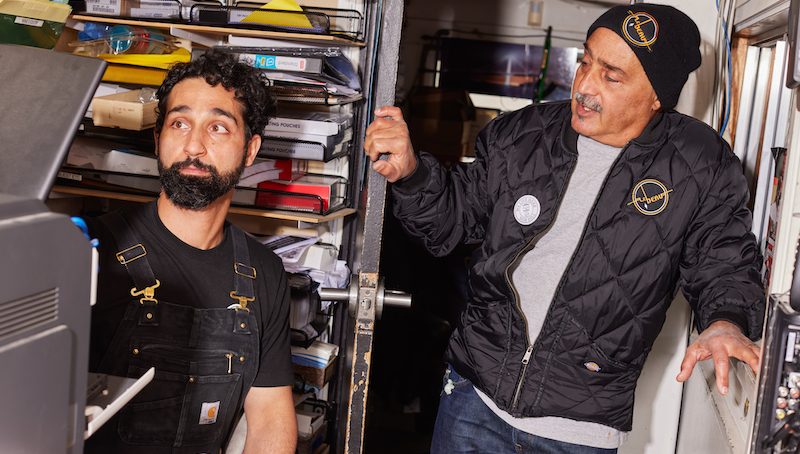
(651, 137)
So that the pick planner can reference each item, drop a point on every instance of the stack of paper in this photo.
(319, 354)
(304, 134)
(261, 170)
(310, 75)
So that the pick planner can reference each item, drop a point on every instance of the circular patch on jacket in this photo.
(650, 197)
(592, 366)
(527, 209)
(640, 29)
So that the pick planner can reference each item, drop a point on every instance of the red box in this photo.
(325, 191)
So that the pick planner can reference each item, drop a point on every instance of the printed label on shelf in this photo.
(106, 7)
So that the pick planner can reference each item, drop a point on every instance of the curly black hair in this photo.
(217, 66)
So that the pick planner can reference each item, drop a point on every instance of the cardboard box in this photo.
(316, 376)
(439, 121)
(450, 104)
(151, 9)
(308, 422)
(32, 22)
(312, 443)
(124, 110)
(482, 119)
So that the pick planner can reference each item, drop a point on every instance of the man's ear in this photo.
(252, 149)
(656, 105)
(155, 136)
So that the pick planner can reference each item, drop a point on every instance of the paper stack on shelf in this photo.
(309, 122)
(305, 254)
(261, 170)
(309, 75)
(319, 354)
(317, 147)
(315, 363)
(308, 134)
(339, 167)
(93, 161)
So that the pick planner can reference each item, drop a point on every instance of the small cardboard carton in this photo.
(124, 110)
(32, 22)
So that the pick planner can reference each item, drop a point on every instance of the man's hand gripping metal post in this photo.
(388, 135)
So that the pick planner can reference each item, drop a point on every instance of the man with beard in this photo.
(591, 214)
(182, 290)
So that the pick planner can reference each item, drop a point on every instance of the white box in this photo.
(103, 155)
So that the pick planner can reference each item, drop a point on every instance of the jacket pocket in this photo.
(592, 365)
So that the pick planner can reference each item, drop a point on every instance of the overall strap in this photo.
(130, 251)
(244, 275)
(132, 254)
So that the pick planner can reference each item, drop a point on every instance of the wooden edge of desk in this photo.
(258, 212)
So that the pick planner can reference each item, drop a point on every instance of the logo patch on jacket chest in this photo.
(527, 209)
(650, 197)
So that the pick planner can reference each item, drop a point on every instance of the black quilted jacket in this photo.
(671, 211)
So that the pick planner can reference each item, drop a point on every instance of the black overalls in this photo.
(205, 360)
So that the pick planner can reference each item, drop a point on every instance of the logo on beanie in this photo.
(640, 29)
(650, 197)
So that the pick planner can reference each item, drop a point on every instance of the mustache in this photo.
(589, 103)
(189, 161)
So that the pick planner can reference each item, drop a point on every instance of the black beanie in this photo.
(665, 40)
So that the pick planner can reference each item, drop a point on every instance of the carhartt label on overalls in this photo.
(208, 412)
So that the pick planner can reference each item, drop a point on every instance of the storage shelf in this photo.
(257, 212)
(222, 30)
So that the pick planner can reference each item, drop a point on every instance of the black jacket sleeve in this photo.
(720, 267)
(439, 208)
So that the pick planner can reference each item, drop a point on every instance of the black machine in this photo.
(45, 263)
(777, 420)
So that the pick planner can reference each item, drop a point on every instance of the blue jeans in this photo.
(465, 424)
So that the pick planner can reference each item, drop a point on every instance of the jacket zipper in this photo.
(529, 345)
(529, 350)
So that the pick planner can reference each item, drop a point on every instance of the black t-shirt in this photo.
(202, 279)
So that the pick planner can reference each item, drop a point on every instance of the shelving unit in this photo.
(221, 30)
(257, 212)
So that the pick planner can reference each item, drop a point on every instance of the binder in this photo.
(328, 64)
(309, 122)
(328, 141)
(267, 61)
(129, 74)
(297, 149)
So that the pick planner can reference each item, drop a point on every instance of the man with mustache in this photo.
(590, 215)
(184, 291)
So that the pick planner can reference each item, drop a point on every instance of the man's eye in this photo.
(219, 129)
(178, 124)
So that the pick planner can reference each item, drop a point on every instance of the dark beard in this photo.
(193, 192)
